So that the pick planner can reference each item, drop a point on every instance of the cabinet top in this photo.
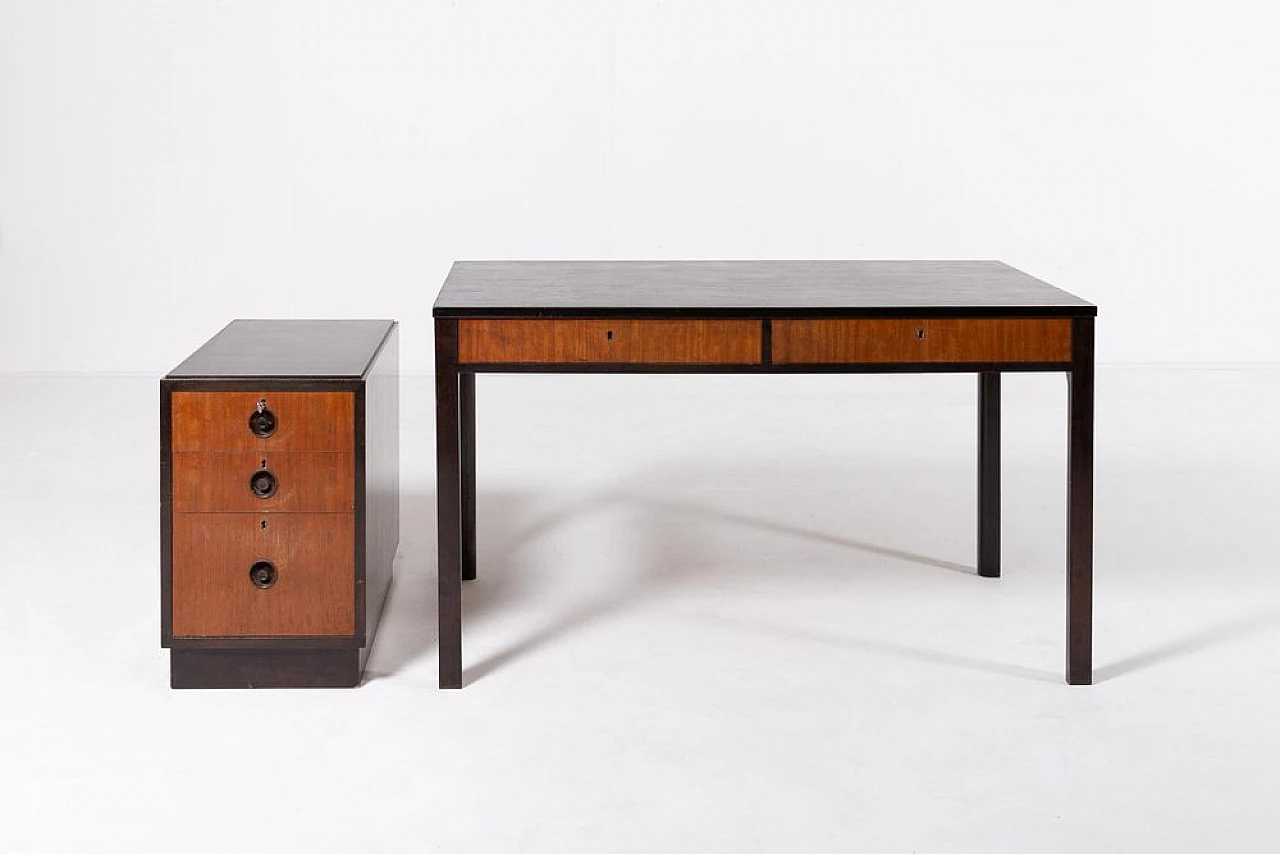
(340, 349)
(583, 288)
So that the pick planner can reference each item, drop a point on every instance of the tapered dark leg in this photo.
(449, 502)
(989, 474)
(1080, 507)
(467, 407)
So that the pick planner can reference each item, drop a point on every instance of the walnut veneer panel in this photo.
(619, 341)
(314, 592)
(869, 341)
(322, 482)
(305, 420)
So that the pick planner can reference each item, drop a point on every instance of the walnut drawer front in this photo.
(641, 342)
(868, 341)
(312, 592)
(303, 421)
(301, 482)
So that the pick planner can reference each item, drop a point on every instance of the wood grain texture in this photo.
(314, 593)
(863, 341)
(724, 288)
(618, 341)
(297, 349)
(306, 482)
(305, 421)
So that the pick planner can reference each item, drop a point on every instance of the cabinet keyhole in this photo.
(920, 334)
(609, 335)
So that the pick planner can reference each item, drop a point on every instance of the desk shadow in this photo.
(674, 518)
(675, 544)
(408, 629)
(678, 556)
(1236, 628)
(759, 524)
(898, 650)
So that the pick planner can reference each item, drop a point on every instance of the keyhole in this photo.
(609, 335)
(920, 334)
(264, 524)
(264, 464)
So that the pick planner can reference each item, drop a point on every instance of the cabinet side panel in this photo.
(166, 514)
(381, 480)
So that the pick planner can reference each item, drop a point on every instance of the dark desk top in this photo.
(582, 288)
(339, 349)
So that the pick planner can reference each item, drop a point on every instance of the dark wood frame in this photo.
(455, 445)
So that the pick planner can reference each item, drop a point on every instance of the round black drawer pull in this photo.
(263, 574)
(262, 422)
(263, 484)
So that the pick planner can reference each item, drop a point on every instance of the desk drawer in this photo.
(871, 341)
(305, 582)
(243, 481)
(295, 421)
(640, 342)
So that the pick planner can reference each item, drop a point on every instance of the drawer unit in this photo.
(263, 482)
(248, 575)
(603, 341)
(834, 341)
(279, 502)
(288, 420)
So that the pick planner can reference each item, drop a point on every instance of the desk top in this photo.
(742, 288)
(244, 349)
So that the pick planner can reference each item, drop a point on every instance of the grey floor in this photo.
(714, 614)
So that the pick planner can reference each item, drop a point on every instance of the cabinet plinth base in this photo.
(264, 668)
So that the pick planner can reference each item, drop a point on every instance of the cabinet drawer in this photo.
(311, 591)
(298, 421)
(641, 342)
(866, 341)
(295, 481)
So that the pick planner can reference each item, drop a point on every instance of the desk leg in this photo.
(467, 407)
(989, 474)
(1080, 507)
(448, 503)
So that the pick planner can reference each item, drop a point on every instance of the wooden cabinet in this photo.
(279, 502)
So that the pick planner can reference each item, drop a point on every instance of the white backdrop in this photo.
(166, 166)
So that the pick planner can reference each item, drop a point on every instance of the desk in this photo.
(775, 317)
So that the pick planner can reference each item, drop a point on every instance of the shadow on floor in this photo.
(1236, 628)
(510, 522)
(678, 551)
(674, 536)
